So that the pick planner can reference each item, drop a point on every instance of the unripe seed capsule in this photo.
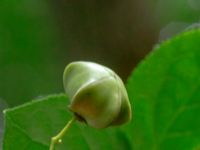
(97, 94)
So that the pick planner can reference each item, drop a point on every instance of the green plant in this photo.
(164, 89)
(97, 97)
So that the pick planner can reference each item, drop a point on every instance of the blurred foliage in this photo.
(28, 48)
(164, 95)
(187, 11)
(173, 17)
(38, 38)
(3, 106)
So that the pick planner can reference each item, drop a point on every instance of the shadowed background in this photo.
(38, 38)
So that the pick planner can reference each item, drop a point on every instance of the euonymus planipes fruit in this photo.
(97, 96)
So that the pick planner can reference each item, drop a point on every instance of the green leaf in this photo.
(31, 126)
(165, 92)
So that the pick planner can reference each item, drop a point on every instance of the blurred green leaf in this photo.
(29, 42)
(32, 125)
(165, 93)
(167, 11)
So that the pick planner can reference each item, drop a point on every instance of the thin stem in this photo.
(58, 138)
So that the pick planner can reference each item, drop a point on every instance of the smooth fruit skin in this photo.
(97, 94)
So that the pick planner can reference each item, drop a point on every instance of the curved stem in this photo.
(58, 138)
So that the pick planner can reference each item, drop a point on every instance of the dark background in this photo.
(38, 38)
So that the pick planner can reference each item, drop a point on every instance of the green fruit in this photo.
(97, 94)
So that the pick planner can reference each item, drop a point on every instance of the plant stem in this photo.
(58, 138)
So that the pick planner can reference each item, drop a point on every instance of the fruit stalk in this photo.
(58, 138)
